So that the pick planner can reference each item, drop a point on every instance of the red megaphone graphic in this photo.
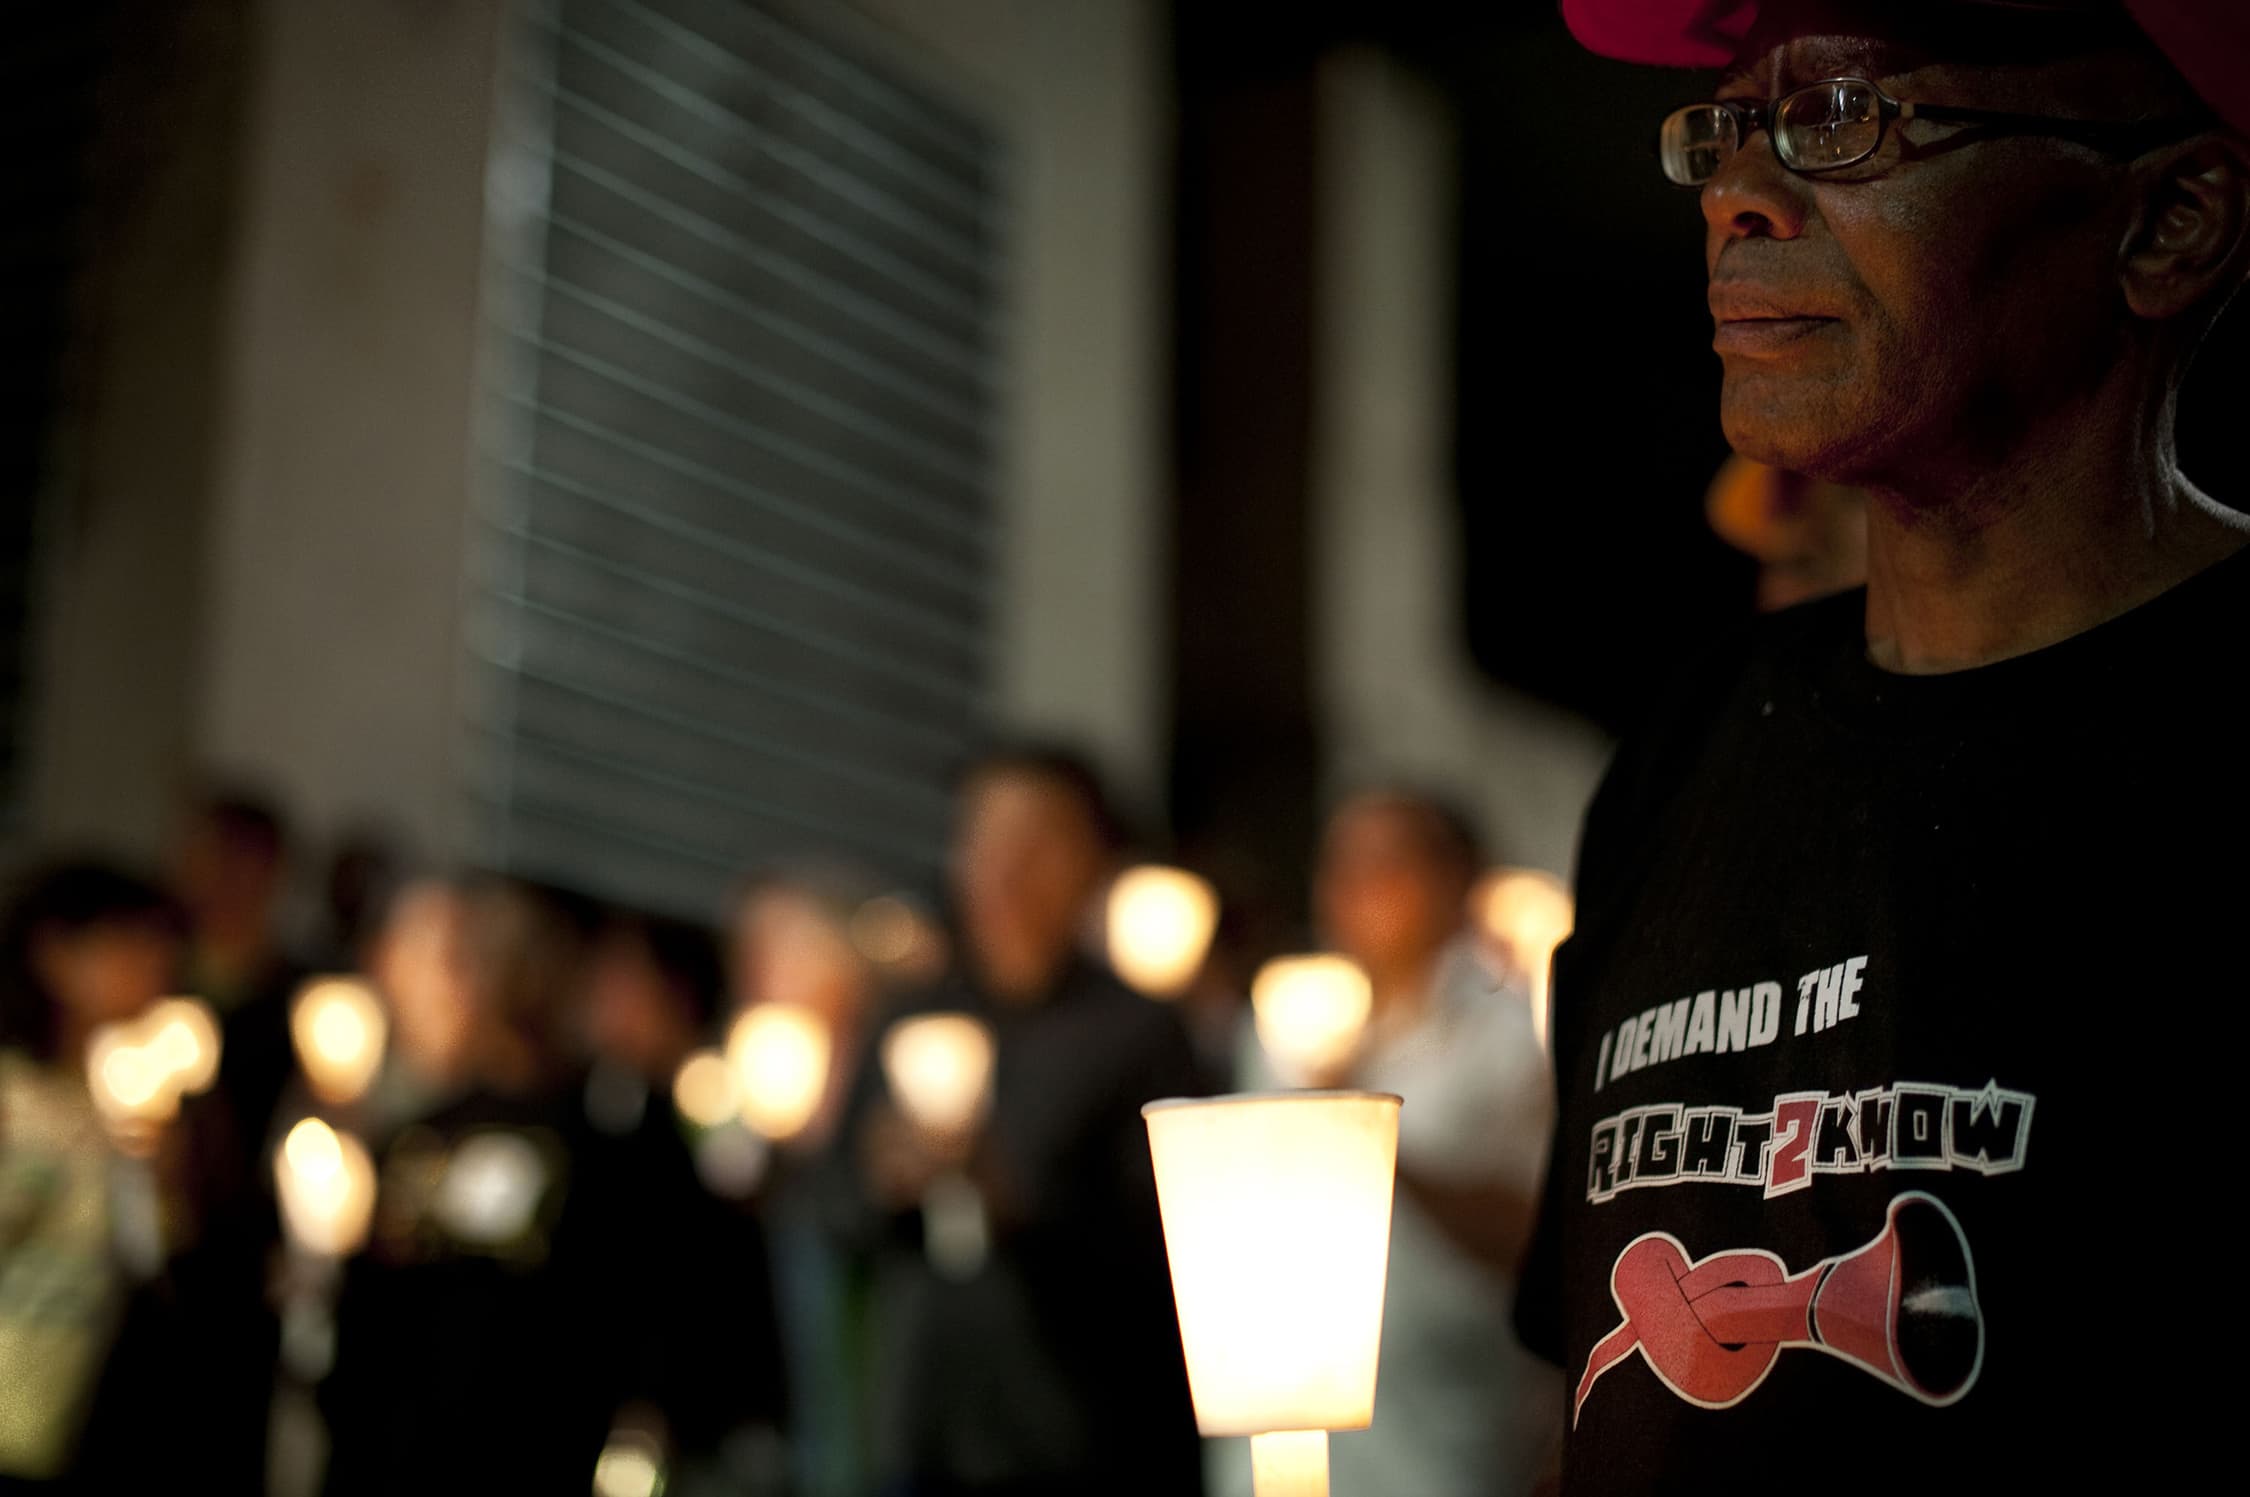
(1904, 1307)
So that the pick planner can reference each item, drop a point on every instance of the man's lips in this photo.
(1754, 319)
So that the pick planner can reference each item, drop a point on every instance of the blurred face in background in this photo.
(634, 1014)
(1028, 858)
(1386, 893)
(422, 965)
(526, 973)
(229, 882)
(104, 972)
(788, 948)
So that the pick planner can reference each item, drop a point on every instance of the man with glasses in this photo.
(1894, 1047)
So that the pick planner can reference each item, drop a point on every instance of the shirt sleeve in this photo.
(1483, 1112)
(57, 1289)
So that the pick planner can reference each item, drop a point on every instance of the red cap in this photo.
(2207, 40)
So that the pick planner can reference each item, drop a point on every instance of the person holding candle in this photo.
(1462, 1410)
(230, 867)
(791, 947)
(81, 946)
(790, 938)
(1891, 1040)
(1029, 1345)
(532, 1279)
(654, 989)
(651, 995)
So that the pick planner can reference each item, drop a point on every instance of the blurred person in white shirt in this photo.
(1461, 1408)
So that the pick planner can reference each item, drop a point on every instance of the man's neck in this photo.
(2083, 528)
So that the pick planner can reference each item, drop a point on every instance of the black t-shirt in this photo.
(1891, 1055)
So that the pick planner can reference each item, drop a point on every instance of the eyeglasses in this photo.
(1840, 122)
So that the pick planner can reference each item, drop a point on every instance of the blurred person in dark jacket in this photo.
(654, 991)
(363, 876)
(652, 996)
(81, 945)
(230, 865)
(229, 869)
(1050, 1362)
(534, 1281)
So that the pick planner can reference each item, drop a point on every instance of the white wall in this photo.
(1399, 697)
(1079, 90)
(335, 555)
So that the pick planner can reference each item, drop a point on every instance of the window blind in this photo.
(734, 527)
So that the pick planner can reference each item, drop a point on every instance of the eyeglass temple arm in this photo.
(2047, 124)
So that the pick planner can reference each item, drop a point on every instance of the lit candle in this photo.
(703, 1090)
(327, 1187)
(939, 1067)
(138, 1069)
(1160, 926)
(127, 1077)
(778, 1056)
(338, 1027)
(1277, 1222)
(185, 1035)
(1310, 1013)
(1525, 914)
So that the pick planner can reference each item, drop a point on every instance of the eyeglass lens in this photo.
(1695, 143)
(1828, 125)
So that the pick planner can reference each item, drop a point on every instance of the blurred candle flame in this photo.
(939, 1067)
(339, 1029)
(630, 1465)
(778, 1055)
(185, 1035)
(1160, 925)
(326, 1182)
(138, 1069)
(1525, 913)
(703, 1090)
(1310, 1013)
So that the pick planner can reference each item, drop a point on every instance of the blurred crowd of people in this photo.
(495, 1188)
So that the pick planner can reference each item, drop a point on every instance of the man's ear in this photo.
(2191, 240)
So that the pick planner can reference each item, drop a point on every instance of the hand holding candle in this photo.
(939, 1067)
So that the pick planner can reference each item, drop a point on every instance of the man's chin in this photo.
(1801, 437)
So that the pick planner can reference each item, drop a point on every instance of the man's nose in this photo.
(1753, 196)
